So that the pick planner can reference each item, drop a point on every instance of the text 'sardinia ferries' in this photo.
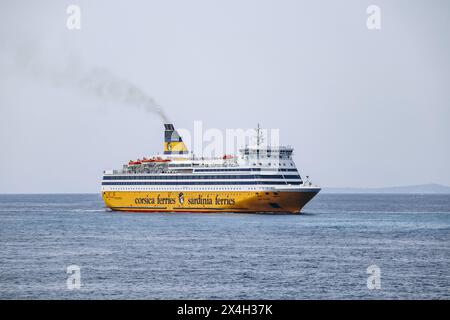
(259, 179)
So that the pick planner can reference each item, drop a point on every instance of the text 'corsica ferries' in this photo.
(259, 179)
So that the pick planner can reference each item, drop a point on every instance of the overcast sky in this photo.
(362, 108)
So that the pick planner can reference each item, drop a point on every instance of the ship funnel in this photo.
(173, 144)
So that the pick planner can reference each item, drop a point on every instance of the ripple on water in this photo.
(321, 254)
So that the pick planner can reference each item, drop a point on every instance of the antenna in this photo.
(259, 139)
(258, 136)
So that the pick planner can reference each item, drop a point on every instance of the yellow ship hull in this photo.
(208, 201)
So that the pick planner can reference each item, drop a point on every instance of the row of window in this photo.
(180, 165)
(267, 151)
(238, 169)
(191, 188)
(221, 188)
(130, 183)
(191, 177)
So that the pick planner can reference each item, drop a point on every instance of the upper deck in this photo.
(249, 159)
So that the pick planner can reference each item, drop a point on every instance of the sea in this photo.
(343, 246)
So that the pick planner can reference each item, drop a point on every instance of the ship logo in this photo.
(181, 198)
(169, 146)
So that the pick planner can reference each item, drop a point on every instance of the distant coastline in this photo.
(431, 188)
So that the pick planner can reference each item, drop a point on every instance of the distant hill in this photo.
(422, 188)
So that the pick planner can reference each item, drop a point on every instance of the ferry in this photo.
(259, 179)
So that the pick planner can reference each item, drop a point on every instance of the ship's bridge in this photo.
(280, 152)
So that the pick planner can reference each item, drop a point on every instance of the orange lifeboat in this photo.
(134, 163)
(147, 160)
(157, 159)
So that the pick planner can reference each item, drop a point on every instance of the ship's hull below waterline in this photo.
(209, 201)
